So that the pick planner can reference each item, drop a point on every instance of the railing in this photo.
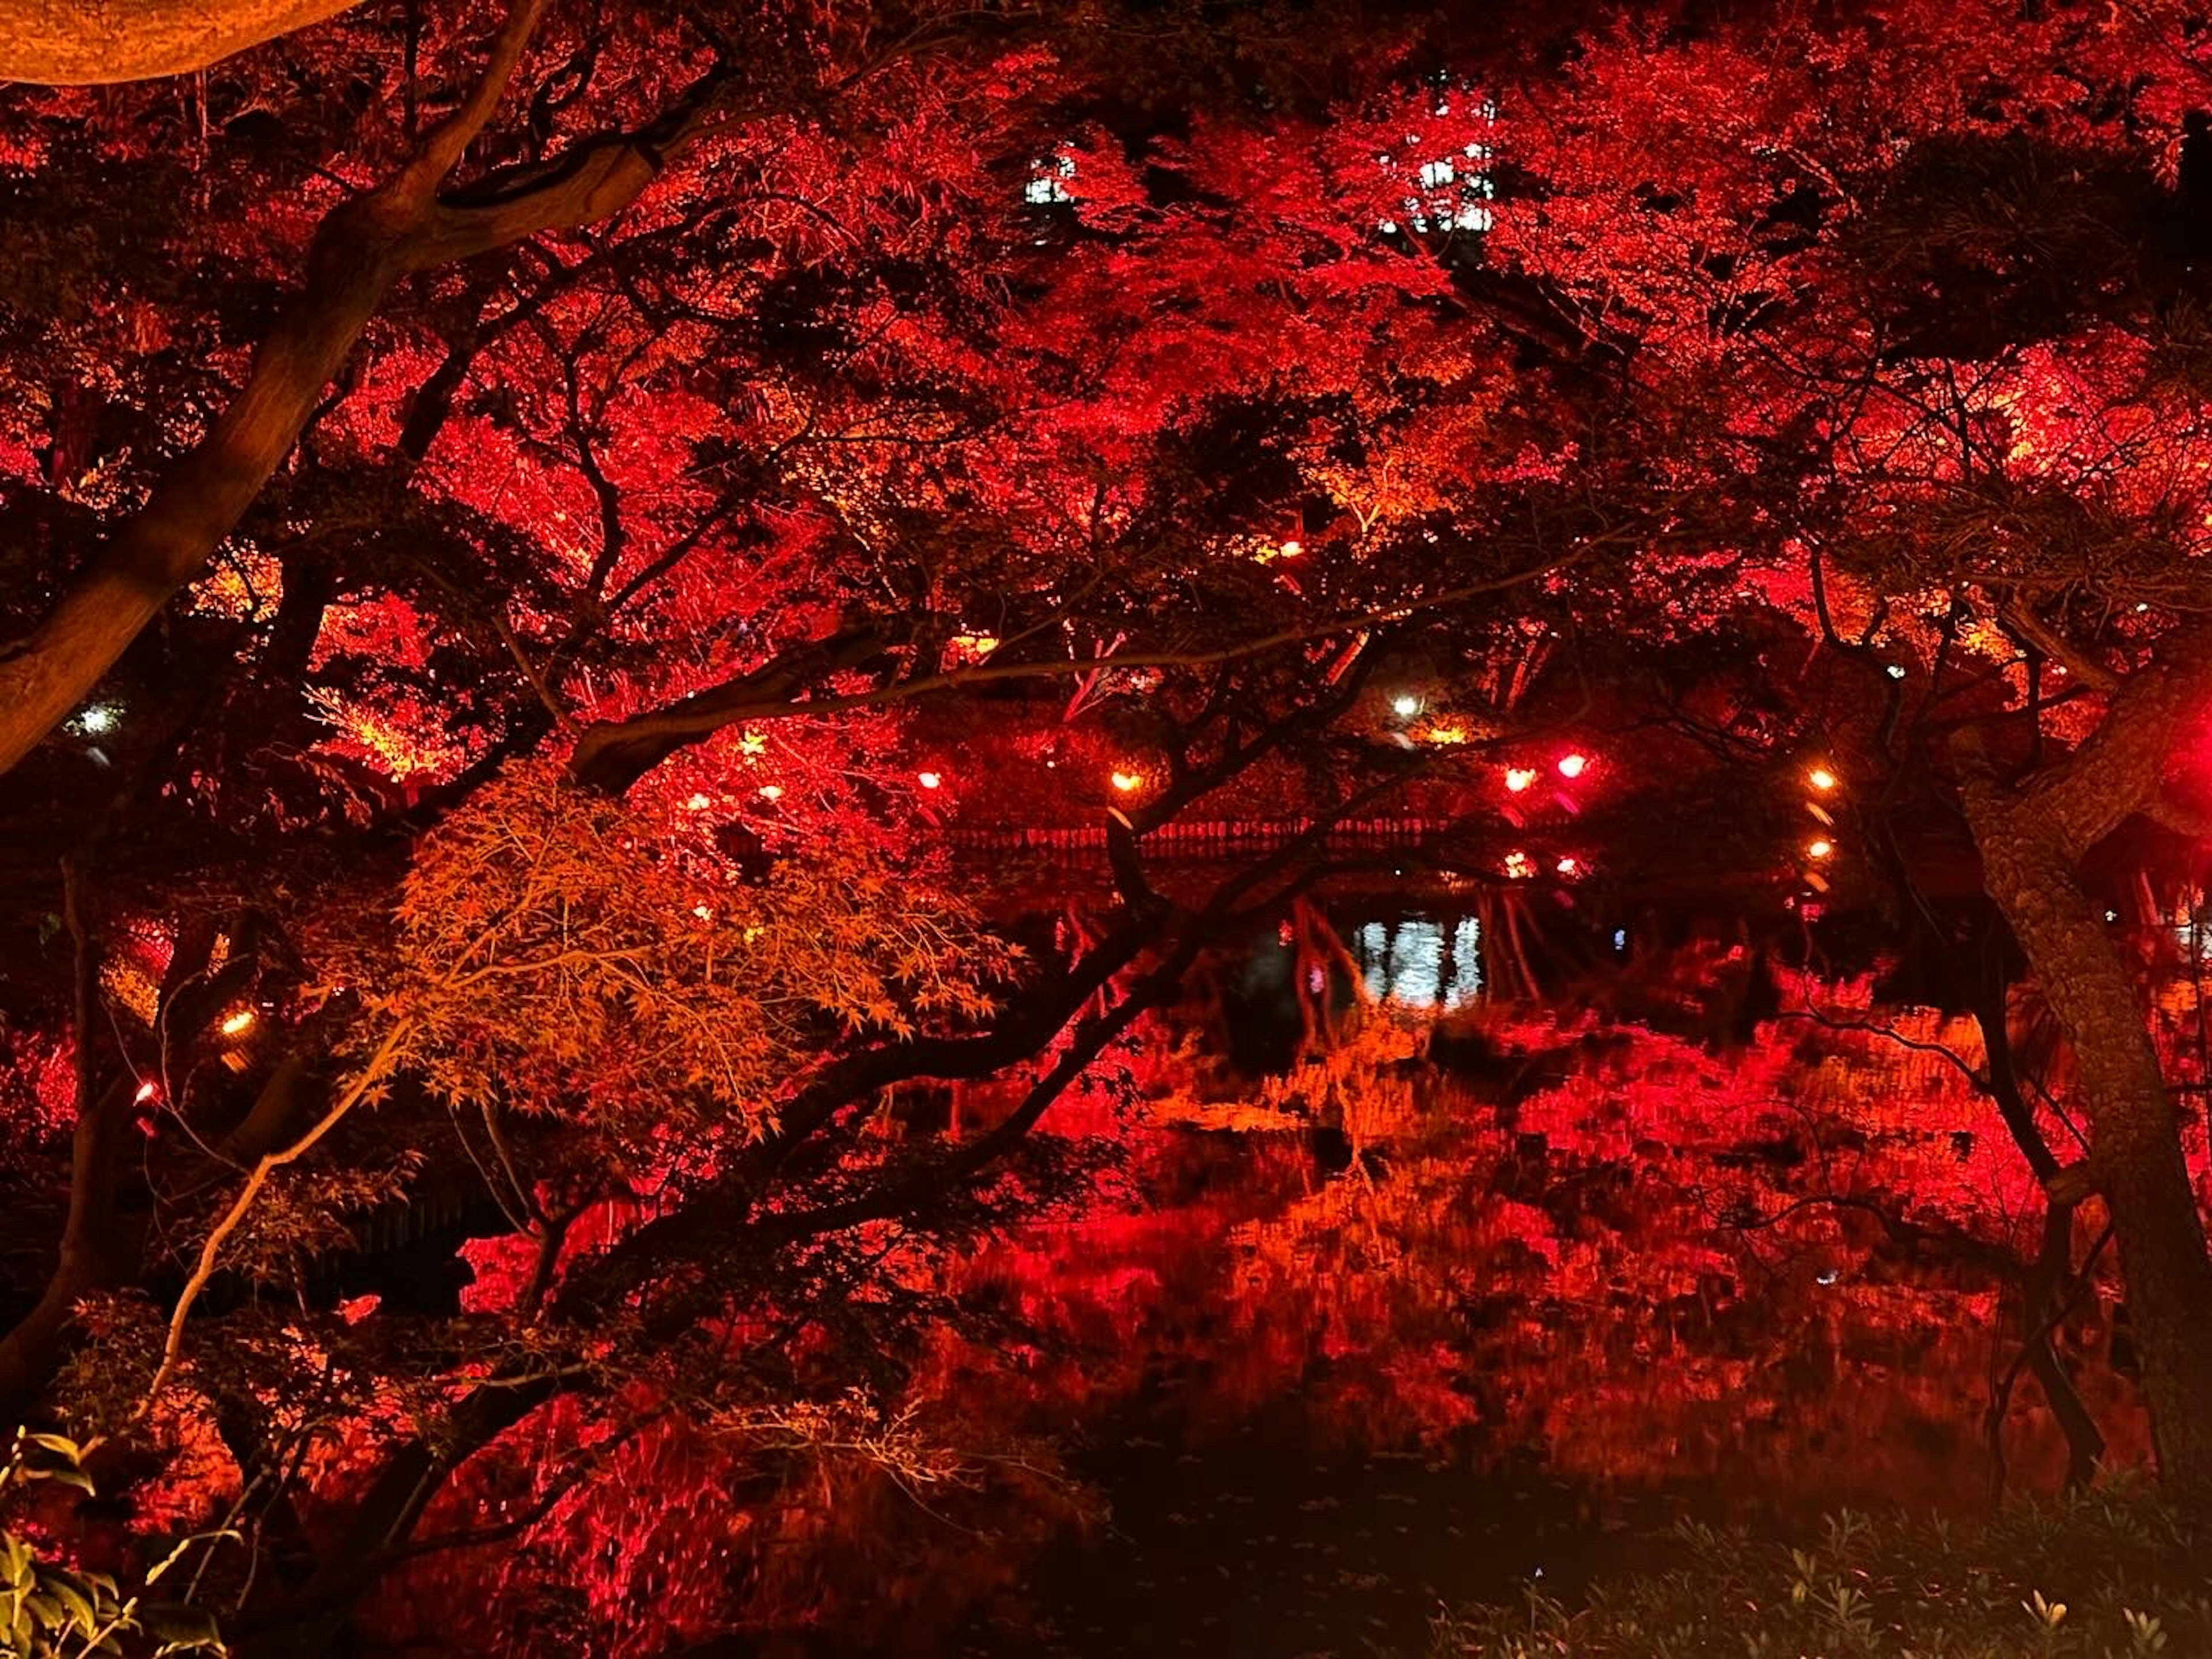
(1199, 839)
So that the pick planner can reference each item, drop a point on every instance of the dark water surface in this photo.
(1633, 1341)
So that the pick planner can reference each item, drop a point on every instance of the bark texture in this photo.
(2033, 838)
(77, 43)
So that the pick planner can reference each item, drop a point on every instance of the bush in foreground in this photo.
(2108, 1574)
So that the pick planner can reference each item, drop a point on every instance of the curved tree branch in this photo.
(363, 248)
(77, 43)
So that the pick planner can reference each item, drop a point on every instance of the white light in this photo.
(1821, 849)
(1407, 704)
(1126, 782)
(771, 792)
(1822, 778)
(1573, 766)
(97, 718)
(1895, 671)
(698, 802)
(928, 780)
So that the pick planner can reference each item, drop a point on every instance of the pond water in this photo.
(1578, 1283)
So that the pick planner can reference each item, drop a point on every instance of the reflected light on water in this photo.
(1421, 963)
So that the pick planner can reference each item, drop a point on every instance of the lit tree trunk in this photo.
(2136, 1154)
(72, 43)
(2032, 839)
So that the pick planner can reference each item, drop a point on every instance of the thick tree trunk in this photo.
(74, 43)
(98, 1253)
(2136, 1155)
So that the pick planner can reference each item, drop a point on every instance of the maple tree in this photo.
(508, 521)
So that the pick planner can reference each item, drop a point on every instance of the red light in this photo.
(146, 1090)
(1572, 766)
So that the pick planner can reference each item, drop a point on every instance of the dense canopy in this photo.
(540, 542)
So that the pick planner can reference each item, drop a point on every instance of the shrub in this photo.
(2106, 1574)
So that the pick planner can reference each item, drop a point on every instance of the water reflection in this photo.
(1421, 962)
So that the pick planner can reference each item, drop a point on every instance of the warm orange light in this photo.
(1821, 849)
(974, 648)
(928, 780)
(1572, 766)
(1518, 867)
(1822, 778)
(1292, 549)
(240, 1021)
(1446, 734)
(1518, 778)
(1126, 782)
(771, 792)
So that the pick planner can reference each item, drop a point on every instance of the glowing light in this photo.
(1126, 782)
(1573, 766)
(1518, 778)
(703, 912)
(1292, 549)
(752, 743)
(1407, 704)
(97, 718)
(771, 792)
(1569, 867)
(240, 1022)
(1822, 778)
(929, 780)
(973, 648)
(1519, 866)
(1895, 671)
(1821, 849)
(146, 1090)
(1446, 734)
(699, 802)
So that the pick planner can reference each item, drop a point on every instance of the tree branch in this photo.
(79, 43)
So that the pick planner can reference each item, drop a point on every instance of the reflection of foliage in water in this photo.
(1779, 1273)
